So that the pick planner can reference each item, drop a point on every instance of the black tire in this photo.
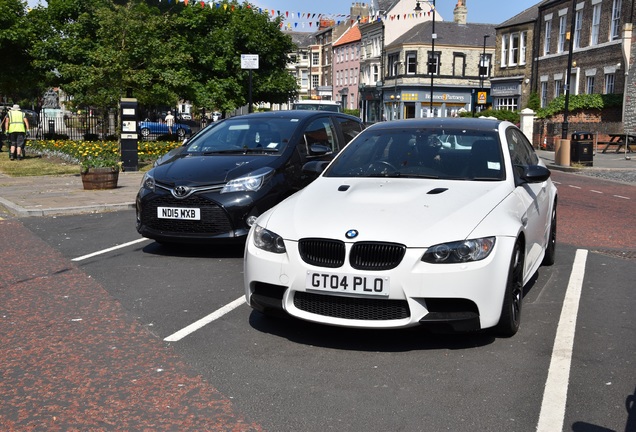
(550, 249)
(145, 132)
(510, 318)
(181, 133)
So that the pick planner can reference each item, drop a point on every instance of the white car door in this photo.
(533, 196)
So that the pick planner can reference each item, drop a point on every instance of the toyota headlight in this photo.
(249, 183)
(148, 181)
(268, 240)
(460, 251)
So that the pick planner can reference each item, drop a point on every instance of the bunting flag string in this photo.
(294, 20)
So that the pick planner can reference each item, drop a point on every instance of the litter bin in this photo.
(582, 148)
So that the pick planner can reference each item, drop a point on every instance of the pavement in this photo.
(63, 195)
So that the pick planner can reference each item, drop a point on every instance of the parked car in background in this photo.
(319, 105)
(402, 231)
(148, 128)
(214, 187)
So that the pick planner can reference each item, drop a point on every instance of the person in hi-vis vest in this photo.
(16, 125)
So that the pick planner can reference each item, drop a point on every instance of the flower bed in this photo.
(77, 151)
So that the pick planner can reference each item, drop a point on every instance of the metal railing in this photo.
(89, 127)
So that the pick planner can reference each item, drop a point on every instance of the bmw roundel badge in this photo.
(352, 234)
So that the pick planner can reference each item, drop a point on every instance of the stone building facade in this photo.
(514, 61)
(629, 104)
(597, 59)
(451, 84)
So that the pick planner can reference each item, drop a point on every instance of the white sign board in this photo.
(128, 126)
(249, 61)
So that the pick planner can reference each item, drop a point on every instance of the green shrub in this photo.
(534, 102)
(511, 116)
(579, 102)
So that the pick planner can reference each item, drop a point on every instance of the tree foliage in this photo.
(98, 51)
(17, 35)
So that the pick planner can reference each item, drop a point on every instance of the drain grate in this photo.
(628, 255)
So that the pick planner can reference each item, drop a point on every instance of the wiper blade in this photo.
(241, 151)
(232, 151)
(386, 174)
(425, 176)
(261, 149)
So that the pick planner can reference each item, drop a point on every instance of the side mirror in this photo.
(319, 150)
(535, 174)
(315, 167)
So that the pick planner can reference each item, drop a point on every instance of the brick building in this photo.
(597, 61)
(346, 68)
(514, 65)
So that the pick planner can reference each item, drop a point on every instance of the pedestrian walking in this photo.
(170, 121)
(16, 125)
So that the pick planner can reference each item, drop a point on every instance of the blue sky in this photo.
(479, 11)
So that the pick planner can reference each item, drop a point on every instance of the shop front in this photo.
(417, 103)
(506, 93)
(370, 103)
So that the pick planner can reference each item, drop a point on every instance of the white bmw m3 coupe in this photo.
(402, 230)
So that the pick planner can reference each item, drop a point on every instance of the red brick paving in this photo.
(590, 215)
(73, 360)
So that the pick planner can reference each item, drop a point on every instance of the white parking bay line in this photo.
(556, 387)
(175, 337)
(103, 251)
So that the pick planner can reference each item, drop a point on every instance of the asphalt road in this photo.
(283, 375)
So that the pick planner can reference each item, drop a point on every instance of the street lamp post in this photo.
(431, 70)
(396, 96)
(564, 129)
(379, 96)
(483, 70)
(362, 102)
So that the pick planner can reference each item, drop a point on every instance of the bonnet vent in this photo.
(437, 191)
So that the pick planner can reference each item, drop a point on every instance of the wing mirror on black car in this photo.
(319, 150)
(315, 167)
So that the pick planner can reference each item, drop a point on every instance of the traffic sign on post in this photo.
(481, 98)
(249, 61)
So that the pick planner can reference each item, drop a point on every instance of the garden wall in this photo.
(602, 122)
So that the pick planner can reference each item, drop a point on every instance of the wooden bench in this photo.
(619, 140)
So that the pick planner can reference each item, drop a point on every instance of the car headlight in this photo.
(268, 240)
(460, 251)
(249, 183)
(148, 181)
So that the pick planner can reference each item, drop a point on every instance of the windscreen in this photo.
(245, 135)
(425, 153)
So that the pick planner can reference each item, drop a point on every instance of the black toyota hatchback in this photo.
(215, 186)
